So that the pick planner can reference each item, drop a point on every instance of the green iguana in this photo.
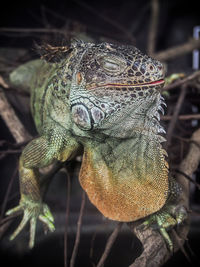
(104, 98)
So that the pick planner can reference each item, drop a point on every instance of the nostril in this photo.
(151, 67)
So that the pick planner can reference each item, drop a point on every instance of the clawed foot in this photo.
(166, 219)
(33, 210)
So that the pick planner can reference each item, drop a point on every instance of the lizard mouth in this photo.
(150, 84)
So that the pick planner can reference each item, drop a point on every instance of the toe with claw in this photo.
(165, 219)
(32, 210)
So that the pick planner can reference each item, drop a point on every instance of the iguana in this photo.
(104, 98)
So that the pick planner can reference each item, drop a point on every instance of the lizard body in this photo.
(106, 99)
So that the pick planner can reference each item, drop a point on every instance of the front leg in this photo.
(173, 213)
(39, 153)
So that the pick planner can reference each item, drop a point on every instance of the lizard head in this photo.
(108, 77)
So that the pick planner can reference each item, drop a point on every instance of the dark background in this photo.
(114, 21)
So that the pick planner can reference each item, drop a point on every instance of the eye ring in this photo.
(112, 64)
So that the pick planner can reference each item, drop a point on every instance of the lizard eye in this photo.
(110, 66)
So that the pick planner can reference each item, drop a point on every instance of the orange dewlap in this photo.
(123, 197)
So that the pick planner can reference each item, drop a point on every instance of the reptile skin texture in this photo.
(105, 99)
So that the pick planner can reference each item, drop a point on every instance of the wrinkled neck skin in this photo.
(124, 119)
(142, 118)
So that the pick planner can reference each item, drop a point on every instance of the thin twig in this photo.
(15, 126)
(67, 218)
(33, 30)
(186, 140)
(10, 217)
(112, 22)
(188, 177)
(92, 246)
(11, 151)
(3, 83)
(109, 244)
(178, 50)
(183, 81)
(4, 223)
(8, 192)
(175, 115)
(153, 26)
(78, 233)
(55, 14)
(181, 245)
(17, 91)
(189, 165)
(155, 252)
(182, 117)
(99, 228)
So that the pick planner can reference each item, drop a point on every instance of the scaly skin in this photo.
(104, 98)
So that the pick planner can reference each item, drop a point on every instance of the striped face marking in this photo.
(78, 77)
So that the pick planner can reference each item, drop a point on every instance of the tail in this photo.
(22, 76)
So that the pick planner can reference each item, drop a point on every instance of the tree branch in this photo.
(155, 252)
(178, 50)
(15, 126)
(67, 218)
(107, 19)
(181, 117)
(178, 83)
(189, 165)
(153, 27)
(175, 115)
(109, 244)
(78, 233)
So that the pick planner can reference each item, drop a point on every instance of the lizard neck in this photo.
(138, 119)
(149, 122)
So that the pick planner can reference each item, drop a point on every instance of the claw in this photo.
(33, 210)
(181, 215)
(13, 211)
(143, 226)
(22, 224)
(166, 219)
(47, 213)
(32, 232)
(167, 238)
(47, 223)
